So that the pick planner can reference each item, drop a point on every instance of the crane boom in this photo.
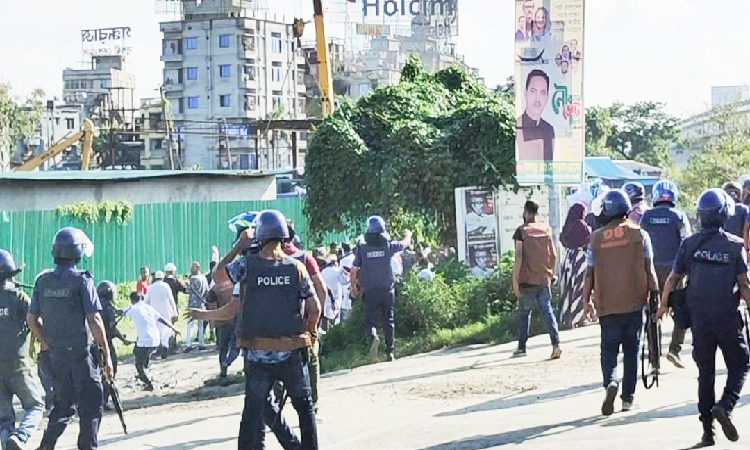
(325, 77)
(87, 134)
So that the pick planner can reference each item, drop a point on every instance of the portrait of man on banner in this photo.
(535, 136)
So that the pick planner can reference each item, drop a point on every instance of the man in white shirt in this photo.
(146, 321)
(336, 281)
(347, 262)
(159, 296)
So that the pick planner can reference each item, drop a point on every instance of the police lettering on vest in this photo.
(274, 280)
(712, 257)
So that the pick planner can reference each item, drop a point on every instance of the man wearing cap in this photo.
(15, 367)
(373, 273)
(177, 286)
(159, 296)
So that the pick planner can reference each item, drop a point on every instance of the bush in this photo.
(425, 306)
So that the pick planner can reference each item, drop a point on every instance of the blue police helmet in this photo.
(714, 208)
(635, 191)
(271, 224)
(71, 244)
(8, 265)
(376, 225)
(107, 290)
(615, 204)
(665, 191)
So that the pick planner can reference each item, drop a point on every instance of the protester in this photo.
(336, 282)
(621, 274)
(636, 192)
(177, 286)
(159, 296)
(346, 268)
(197, 290)
(575, 238)
(425, 272)
(532, 276)
(142, 285)
(146, 320)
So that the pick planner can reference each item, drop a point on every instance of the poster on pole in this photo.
(476, 224)
(550, 125)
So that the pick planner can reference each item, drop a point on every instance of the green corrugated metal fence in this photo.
(158, 234)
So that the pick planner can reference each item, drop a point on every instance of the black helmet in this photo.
(271, 225)
(107, 291)
(615, 204)
(714, 208)
(733, 189)
(634, 190)
(376, 225)
(71, 244)
(8, 267)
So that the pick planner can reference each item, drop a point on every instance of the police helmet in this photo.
(375, 224)
(271, 224)
(635, 191)
(733, 189)
(714, 208)
(71, 244)
(107, 291)
(8, 267)
(615, 204)
(665, 191)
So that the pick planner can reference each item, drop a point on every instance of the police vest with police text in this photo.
(13, 331)
(272, 303)
(711, 273)
(61, 306)
(376, 271)
(663, 224)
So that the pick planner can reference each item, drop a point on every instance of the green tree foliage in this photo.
(725, 155)
(19, 118)
(640, 131)
(406, 147)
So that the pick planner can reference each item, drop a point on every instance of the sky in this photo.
(670, 51)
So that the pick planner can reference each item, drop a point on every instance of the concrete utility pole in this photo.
(226, 142)
(168, 122)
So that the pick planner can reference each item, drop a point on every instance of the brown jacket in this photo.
(620, 278)
(537, 266)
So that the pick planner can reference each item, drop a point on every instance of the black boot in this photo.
(708, 435)
(724, 418)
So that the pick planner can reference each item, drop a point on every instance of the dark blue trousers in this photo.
(259, 380)
(727, 334)
(76, 380)
(379, 308)
(621, 330)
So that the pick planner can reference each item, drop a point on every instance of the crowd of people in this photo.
(622, 256)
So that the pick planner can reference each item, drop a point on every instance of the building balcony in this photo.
(174, 87)
(175, 57)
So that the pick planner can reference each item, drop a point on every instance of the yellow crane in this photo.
(86, 134)
(325, 74)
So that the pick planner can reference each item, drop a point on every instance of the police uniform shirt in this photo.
(712, 269)
(14, 305)
(236, 272)
(89, 298)
(735, 224)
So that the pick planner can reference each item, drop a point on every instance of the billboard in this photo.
(550, 125)
(476, 223)
(106, 41)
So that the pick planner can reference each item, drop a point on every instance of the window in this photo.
(276, 43)
(192, 102)
(301, 103)
(249, 72)
(248, 43)
(70, 123)
(225, 70)
(276, 72)
(181, 105)
(191, 43)
(192, 73)
(57, 121)
(225, 101)
(276, 99)
(224, 40)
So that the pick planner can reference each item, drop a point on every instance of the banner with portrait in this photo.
(476, 224)
(550, 125)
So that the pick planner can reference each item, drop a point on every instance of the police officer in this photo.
(737, 223)
(15, 373)
(667, 226)
(636, 192)
(715, 265)
(107, 292)
(278, 310)
(64, 302)
(374, 273)
(620, 272)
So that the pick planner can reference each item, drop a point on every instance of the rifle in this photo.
(653, 341)
(110, 384)
(18, 284)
